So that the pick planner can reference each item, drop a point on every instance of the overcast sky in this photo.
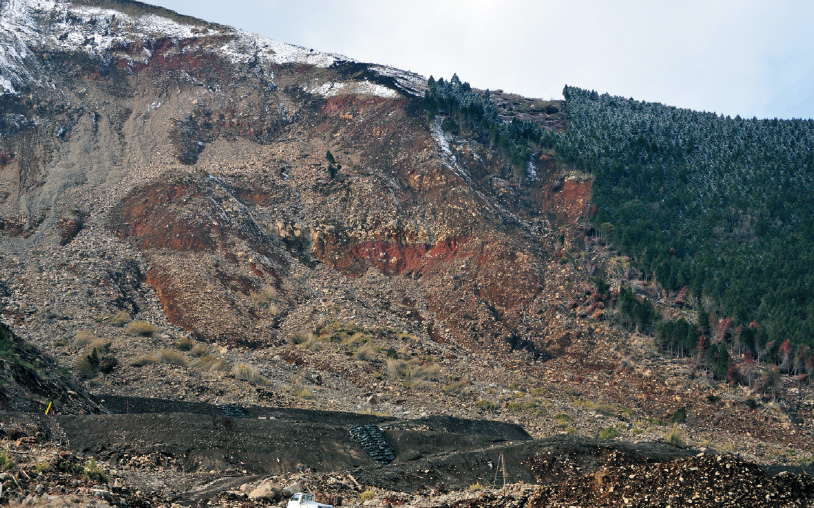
(746, 57)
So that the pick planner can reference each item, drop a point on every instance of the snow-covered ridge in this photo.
(410, 82)
(58, 24)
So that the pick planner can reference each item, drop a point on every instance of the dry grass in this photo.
(184, 344)
(397, 369)
(83, 338)
(488, 405)
(264, 300)
(299, 391)
(456, 385)
(141, 361)
(87, 365)
(355, 339)
(365, 353)
(211, 362)
(298, 338)
(246, 372)
(675, 438)
(413, 372)
(141, 329)
(199, 350)
(120, 318)
(562, 419)
(313, 344)
(173, 357)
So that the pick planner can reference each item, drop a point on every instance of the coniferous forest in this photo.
(722, 205)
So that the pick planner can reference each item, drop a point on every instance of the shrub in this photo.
(562, 419)
(609, 433)
(246, 372)
(107, 363)
(88, 365)
(476, 487)
(680, 416)
(367, 495)
(184, 344)
(94, 472)
(141, 329)
(101, 345)
(173, 357)
(6, 462)
(141, 361)
(83, 338)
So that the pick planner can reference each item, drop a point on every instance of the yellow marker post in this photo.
(48, 408)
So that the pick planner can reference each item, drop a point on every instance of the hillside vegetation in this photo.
(716, 205)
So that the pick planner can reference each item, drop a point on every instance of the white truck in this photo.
(304, 500)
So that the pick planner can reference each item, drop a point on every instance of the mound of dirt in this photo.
(698, 481)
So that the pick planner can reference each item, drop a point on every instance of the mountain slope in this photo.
(172, 197)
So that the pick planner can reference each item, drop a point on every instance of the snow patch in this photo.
(353, 88)
(245, 48)
(531, 170)
(447, 156)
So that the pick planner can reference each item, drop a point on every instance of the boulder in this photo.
(266, 491)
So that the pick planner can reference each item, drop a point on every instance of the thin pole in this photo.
(503, 461)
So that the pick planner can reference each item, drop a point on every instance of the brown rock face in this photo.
(261, 213)
(210, 171)
(206, 255)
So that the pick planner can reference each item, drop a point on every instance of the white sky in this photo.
(746, 57)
